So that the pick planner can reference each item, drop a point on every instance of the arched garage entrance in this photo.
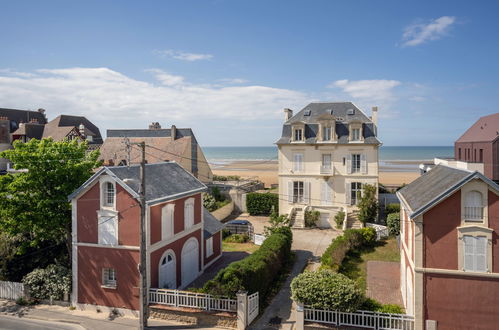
(190, 261)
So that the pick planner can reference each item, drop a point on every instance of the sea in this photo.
(395, 158)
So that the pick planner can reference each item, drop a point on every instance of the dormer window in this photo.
(356, 134)
(326, 133)
(298, 134)
(109, 194)
(473, 206)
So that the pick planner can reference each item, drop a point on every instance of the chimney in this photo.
(174, 132)
(42, 111)
(288, 113)
(81, 128)
(374, 119)
(154, 125)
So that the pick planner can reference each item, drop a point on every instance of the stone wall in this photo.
(224, 211)
(193, 316)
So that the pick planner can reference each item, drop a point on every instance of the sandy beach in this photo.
(391, 174)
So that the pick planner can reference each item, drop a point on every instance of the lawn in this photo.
(239, 247)
(355, 264)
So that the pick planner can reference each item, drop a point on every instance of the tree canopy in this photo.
(33, 202)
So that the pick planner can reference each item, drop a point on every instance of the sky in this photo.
(228, 68)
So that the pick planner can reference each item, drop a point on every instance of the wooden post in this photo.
(143, 260)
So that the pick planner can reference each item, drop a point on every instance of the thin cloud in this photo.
(183, 56)
(418, 34)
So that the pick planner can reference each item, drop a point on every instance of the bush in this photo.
(262, 203)
(226, 178)
(325, 289)
(209, 202)
(368, 205)
(393, 223)
(375, 306)
(225, 233)
(391, 308)
(369, 235)
(53, 281)
(276, 222)
(215, 192)
(339, 218)
(311, 218)
(257, 272)
(392, 208)
(237, 238)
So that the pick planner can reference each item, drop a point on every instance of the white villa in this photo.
(326, 153)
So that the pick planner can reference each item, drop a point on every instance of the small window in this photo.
(109, 194)
(307, 113)
(355, 163)
(109, 277)
(473, 206)
(326, 133)
(298, 134)
(356, 134)
(122, 163)
(209, 247)
(355, 192)
(298, 192)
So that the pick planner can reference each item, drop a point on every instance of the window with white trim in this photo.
(356, 162)
(108, 195)
(475, 253)
(209, 247)
(109, 277)
(298, 162)
(167, 221)
(108, 229)
(188, 213)
(356, 134)
(355, 192)
(473, 206)
(298, 134)
(326, 133)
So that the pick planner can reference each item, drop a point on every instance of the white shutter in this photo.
(481, 254)
(348, 199)
(306, 192)
(107, 230)
(330, 193)
(349, 164)
(290, 192)
(468, 242)
(167, 221)
(295, 162)
(363, 163)
(324, 193)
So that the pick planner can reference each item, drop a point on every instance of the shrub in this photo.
(262, 203)
(375, 306)
(311, 218)
(392, 208)
(391, 308)
(368, 205)
(225, 233)
(335, 253)
(237, 238)
(276, 222)
(339, 218)
(226, 178)
(369, 235)
(215, 192)
(209, 202)
(393, 223)
(325, 289)
(257, 272)
(53, 281)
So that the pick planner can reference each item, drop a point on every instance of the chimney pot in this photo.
(288, 113)
(374, 119)
(154, 125)
(174, 132)
(42, 111)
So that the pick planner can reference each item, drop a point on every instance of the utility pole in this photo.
(143, 266)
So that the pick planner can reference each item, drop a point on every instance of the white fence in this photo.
(381, 231)
(258, 239)
(252, 307)
(11, 290)
(364, 319)
(178, 298)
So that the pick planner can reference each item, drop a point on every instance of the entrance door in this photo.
(190, 261)
(168, 272)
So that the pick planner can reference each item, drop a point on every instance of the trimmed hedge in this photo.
(262, 203)
(393, 223)
(258, 271)
(392, 208)
(325, 289)
(352, 239)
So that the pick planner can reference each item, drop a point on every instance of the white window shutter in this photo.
(363, 164)
(330, 193)
(349, 164)
(481, 254)
(306, 192)
(469, 247)
(324, 193)
(290, 192)
(348, 196)
(108, 230)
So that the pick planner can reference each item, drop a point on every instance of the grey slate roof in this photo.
(22, 116)
(211, 224)
(432, 185)
(164, 181)
(340, 111)
(162, 132)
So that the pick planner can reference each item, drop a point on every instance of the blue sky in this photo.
(228, 68)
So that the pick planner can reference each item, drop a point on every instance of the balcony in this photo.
(473, 213)
(326, 169)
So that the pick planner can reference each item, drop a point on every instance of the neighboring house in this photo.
(450, 249)
(172, 144)
(182, 238)
(327, 152)
(73, 127)
(477, 149)
(11, 120)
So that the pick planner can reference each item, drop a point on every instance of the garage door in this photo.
(190, 261)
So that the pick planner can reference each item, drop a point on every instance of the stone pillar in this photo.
(300, 316)
(242, 310)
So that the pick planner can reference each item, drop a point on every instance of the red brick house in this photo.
(449, 246)
(182, 237)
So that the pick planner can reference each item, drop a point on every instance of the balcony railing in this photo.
(326, 169)
(473, 213)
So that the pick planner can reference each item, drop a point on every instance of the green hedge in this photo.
(352, 239)
(262, 203)
(392, 208)
(53, 281)
(393, 223)
(257, 272)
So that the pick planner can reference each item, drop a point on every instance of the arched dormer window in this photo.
(473, 206)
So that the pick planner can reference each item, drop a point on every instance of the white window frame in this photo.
(355, 200)
(473, 208)
(298, 134)
(189, 213)
(327, 165)
(104, 194)
(355, 134)
(209, 247)
(472, 265)
(167, 220)
(109, 278)
(327, 133)
(298, 162)
(354, 162)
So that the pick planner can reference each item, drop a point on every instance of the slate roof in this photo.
(485, 129)
(162, 132)
(22, 116)
(339, 110)
(211, 224)
(59, 127)
(30, 130)
(164, 181)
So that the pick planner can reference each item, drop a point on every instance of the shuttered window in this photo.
(209, 247)
(188, 213)
(298, 162)
(167, 220)
(108, 230)
(326, 193)
(475, 253)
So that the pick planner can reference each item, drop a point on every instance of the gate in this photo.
(252, 307)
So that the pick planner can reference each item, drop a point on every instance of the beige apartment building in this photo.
(326, 153)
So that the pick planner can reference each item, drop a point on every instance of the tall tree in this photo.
(33, 203)
(368, 204)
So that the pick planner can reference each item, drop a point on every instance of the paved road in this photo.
(308, 245)
(14, 322)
